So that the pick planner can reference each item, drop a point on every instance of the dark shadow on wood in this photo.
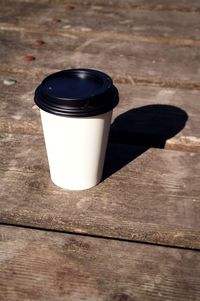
(137, 130)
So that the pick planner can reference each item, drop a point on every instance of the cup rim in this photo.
(96, 102)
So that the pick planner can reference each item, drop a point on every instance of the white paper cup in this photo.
(76, 136)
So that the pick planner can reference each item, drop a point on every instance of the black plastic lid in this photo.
(77, 93)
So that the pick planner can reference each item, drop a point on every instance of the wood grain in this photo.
(136, 20)
(147, 195)
(40, 265)
(122, 58)
(151, 116)
(135, 4)
(170, 5)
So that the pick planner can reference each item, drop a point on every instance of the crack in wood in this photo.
(17, 171)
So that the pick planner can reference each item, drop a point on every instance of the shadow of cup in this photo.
(135, 131)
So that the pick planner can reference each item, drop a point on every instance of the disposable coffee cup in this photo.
(76, 109)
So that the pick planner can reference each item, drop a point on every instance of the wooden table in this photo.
(135, 236)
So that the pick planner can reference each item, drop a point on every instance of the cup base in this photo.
(75, 188)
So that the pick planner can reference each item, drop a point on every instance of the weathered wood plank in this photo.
(134, 4)
(171, 27)
(54, 266)
(175, 113)
(143, 200)
(174, 5)
(122, 58)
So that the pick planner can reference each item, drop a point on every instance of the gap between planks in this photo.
(98, 236)
(81, 268)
